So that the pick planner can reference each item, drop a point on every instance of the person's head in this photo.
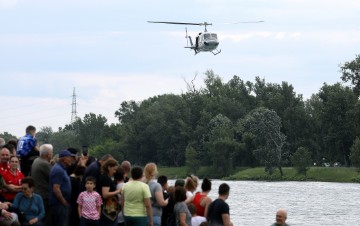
(105, 158)
(180, 194)
(12, 144)
(2, 141)
(14, 162)
(179, 182)
(206, 185)
(224, 190)
(79, 171)
(119, 175)
(191, 183)
(27, 186)
(281, 216)
(109, 167)
(150, 171)
(205, 223)
(46, 151)
(192, 209)
(4, 154)
(126, 165)
(90, 183)
(136, 173)
(163, 181)
(30, 130)
(66, 158)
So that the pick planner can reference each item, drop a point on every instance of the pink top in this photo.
(90, 201)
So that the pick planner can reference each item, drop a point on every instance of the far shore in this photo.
(320, 174)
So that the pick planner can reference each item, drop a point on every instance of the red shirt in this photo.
(4, 168)
(12, 178)
(200, 210)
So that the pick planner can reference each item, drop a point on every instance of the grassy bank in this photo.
(324, 174)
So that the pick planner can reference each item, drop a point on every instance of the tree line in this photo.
(226, 125)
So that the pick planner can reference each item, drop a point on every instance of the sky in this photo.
(108, 52)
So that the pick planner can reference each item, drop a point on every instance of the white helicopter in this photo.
(204, 41)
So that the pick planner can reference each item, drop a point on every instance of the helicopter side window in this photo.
(214, 36)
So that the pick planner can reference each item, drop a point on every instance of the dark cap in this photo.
(180, 182)
(65, 153)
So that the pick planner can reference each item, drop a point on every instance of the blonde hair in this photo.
(191, 183)
(150, 171)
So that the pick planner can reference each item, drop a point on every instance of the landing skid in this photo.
(217, 52)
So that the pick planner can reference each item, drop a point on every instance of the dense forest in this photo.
(226, 125)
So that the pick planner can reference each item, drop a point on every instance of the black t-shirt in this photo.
(106, 181)
(215, 211)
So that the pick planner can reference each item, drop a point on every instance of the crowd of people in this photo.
(73, 189)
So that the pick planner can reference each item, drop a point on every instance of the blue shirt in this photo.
(32, 207)
(58, 175)
(25, 145)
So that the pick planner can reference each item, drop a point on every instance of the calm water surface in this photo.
(308, 203)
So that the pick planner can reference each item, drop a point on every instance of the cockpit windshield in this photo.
(210, 36)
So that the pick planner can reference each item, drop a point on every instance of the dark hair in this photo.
(13, 142)
(205, 223)
(28, 180)
(108, 163)
(30, 128)
(14, 156)
(180, 194)
(136, 172)
(90, 178)
(90, 160)
(224, 189)
(79, 170)
(119, 175)
(162, 180)
(192, 208)
(206, 185)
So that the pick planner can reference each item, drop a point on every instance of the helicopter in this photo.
(204, 41)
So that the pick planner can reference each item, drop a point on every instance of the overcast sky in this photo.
(108, 51)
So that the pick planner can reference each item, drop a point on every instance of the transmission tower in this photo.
(73, 107)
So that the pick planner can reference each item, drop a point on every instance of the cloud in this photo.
(7, 4)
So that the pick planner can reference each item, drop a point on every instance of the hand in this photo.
(33, 221)
(6, 214)
(82, 160)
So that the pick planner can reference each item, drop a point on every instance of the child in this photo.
(195, 219)
(89, 204)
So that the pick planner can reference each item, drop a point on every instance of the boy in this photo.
(89, 204)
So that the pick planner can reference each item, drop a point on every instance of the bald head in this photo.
(281, 216)
(4, 155)
(126, 165)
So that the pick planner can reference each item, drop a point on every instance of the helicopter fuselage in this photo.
(205, 42)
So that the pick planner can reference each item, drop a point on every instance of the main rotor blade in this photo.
(180, 23)
(244, 22)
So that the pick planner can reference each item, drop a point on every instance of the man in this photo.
(27, 150)
(60, 189)
(281, 216)
(94, 170)
(219, 212)
(40, 172)
(126, 165)
(2, 141)
(4, 168)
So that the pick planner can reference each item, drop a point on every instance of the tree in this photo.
(7, 136)
(192, 160)
(64, 139)
(351, 72)
(301, 160)
(265, 124)
(355, 153)
(44, 135)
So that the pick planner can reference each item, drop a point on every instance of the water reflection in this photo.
(307, 203)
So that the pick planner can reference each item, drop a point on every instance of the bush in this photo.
(301, 160)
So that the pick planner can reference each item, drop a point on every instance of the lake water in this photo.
(308, 203)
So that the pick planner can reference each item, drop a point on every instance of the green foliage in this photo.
(301, 160)
(265, 124)
(64, 139)
(351, 72)
(44, 135)
(192, 160)
(355, 153)
(112, 147)
(7, 136)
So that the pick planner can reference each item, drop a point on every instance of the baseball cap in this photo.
(65, 153)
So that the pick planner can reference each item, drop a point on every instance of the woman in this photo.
(201, 199)
(182, 213)
(29, 204)
(135, 200)
(109, 194)
(157, 197)
(13, 177)
(191, 184)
